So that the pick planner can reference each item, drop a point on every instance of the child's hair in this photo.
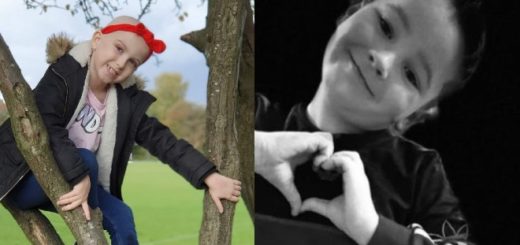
(473, 31)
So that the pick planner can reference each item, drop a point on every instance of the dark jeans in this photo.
(117, 216)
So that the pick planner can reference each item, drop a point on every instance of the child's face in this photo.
(389, 59)
(116, 56)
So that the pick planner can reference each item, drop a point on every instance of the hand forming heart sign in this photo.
(278, 153)
(353, 212)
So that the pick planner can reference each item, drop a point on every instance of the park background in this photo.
(167, 209)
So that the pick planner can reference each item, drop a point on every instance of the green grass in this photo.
(167, 210)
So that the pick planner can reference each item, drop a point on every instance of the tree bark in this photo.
(229, 106)
(32, 141)
(245, 113)
(35, 225)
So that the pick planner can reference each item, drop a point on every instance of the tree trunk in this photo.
(245, 113)
(229, 50)
(32, 141)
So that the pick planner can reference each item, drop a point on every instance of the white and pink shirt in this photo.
(87, 127)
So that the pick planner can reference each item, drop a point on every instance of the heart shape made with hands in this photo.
(279, 154)
(300, 169)
(353, 211)
(322, 180)
(311, 179)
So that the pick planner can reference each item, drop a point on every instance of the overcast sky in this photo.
(26, 31)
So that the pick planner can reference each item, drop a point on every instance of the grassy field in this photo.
(167, 210)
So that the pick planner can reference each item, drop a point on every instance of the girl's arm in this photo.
(179, 154)
(51, 96)
(186, 160)
(438, 212)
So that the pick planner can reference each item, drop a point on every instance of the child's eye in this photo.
(411, 77)
(385, 27)
(119, 49)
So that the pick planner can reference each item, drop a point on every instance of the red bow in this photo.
(155, 45)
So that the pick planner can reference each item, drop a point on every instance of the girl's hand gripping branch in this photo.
(222, 187)
(78, 196)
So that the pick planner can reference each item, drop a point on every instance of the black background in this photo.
(476, 132)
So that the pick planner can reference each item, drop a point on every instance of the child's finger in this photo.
(67, 200)
(316, 205)
(292, 195)
(324, 147)
(217, 202)
(233, 198)
(236, 182)
(236, 193)
(86, 209)
(332, 163)
(237, 187)
(68, 195)
(70, 206)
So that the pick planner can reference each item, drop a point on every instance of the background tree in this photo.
(185, 119)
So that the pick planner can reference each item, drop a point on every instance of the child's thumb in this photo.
(217, 202)
(293, 197)
(316, 205)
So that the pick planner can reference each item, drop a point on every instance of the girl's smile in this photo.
(386, 61)
(112, 72)
(360, 73)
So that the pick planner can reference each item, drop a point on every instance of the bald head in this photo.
(124, 20)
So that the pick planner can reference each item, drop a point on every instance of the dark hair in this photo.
(471, 24)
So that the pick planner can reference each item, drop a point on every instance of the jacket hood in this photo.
(60, 44)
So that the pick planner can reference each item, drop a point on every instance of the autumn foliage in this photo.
(184, 118)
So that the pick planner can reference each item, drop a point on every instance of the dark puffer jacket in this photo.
(58, 95)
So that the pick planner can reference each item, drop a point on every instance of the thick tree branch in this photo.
(197, 39)
(35, 225)
(32, 141)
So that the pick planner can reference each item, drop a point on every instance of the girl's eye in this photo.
(385, 27)
(411, 77)
(119, 49)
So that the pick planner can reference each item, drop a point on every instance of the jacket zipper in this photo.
(66, 90)
(15, 184)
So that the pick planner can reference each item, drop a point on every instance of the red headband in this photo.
(155, 45)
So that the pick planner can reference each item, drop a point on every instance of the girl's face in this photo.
(116, 56)
(388, 59)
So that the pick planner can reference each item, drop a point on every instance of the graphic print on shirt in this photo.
(90, 120)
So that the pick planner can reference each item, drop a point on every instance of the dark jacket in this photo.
(57, 96)
(407, 181)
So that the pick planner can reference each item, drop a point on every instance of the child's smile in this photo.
(112, 72)
(387, 60)
(362, 77)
